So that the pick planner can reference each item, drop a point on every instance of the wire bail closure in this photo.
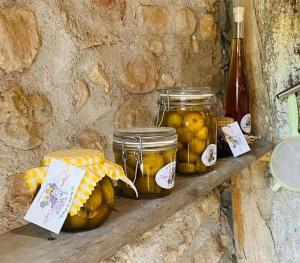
(162, 106)
(138, 154)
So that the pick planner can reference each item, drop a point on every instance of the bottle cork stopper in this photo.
(238, 14)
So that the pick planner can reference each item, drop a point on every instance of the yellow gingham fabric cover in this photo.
(96, 168)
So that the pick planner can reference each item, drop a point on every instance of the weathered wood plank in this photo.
(253, 238)
(30, 244)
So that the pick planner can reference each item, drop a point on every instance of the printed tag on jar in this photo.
(246, 123)
(165, 177)
(209, 156)
(51, 205)
(236, 139)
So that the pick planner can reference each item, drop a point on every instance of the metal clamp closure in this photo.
(162, 106)
(138, 154)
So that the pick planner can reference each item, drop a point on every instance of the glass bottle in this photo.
(237, 95)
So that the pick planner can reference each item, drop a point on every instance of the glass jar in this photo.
(223, 148)
(96, 209)
(188, 110)
(148, 157)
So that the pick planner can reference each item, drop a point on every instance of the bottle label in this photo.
(236, 139)
(209, 156)
(165, 177)
(246, 123)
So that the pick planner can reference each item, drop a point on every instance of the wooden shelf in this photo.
(30, 243)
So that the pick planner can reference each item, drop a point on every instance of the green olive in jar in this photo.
(197, 146)
(98, 216)
(130, 164)
(95, 199)
(152, 163)
(174, 120)
(193, 121)
(184, 135)
(147, 185)
(169, 156)
(131, 160)
(186, 168)
(107, 190)
(77, 222)
(185, 155)
(202, 134)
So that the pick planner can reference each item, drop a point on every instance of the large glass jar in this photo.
(148, 157)
(189, 111)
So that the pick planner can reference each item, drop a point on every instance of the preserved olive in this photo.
(77, 222)
(98, 216)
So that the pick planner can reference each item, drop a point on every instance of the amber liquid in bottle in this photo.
(237, 95)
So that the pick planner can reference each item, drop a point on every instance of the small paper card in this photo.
(236, 139)
(53, 201)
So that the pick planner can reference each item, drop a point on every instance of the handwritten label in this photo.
(53, 201)
(236, 139)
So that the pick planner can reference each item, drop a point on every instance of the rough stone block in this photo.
(97, 76)
(133, 114)
(155, 19)
(113, 7)
(156, 47)
(82, 94)
(185, 22)
(22, 117)
(91, 139)
(19, 38)
(208, 28)
(141, 75)
(81, 18)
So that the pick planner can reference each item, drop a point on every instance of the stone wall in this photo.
(71, 71)
(268, 225)
(280, 52)
(193, 234)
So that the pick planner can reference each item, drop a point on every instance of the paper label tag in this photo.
(236, 139)
(51, 205)
(246, 123)
(165, 177)
(209, 156)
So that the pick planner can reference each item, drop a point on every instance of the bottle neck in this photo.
(238, 30)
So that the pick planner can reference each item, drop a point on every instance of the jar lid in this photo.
(148, 138)
(187, 93)
(223, 121)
